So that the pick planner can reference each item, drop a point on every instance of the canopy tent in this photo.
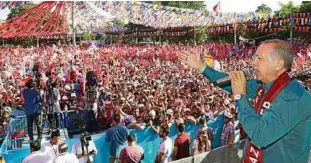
(55, 18)
(45, 19)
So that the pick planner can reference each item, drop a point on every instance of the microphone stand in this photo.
(87, 152)
(86, 145)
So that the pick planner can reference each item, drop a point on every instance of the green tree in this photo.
(288, 8)
(88, 36)
(263, 8)
(16, 11)
(305, 6)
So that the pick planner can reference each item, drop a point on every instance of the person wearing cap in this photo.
(282, 109)
(227, 136)
(64, 156)
(51, 147)
(181, 144)
(167, 120)
(80, 149)
(153, 122)
(36, 155)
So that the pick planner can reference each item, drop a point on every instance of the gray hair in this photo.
(282, 50)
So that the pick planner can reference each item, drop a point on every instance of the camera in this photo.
(85, 137)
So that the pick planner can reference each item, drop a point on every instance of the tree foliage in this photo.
(305, 6)
(263, 8)
(288, 8)
(88, 36)
(16, 11)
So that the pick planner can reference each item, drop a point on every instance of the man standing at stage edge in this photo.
(278, 125)
(32, 104)
(117, 136)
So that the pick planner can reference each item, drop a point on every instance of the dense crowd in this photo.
(145, 85)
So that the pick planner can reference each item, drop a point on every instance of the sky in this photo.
(225, 6)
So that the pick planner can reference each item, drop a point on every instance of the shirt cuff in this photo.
(202, 69)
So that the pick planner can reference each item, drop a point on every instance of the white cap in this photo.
(187, 109)
(141, 105)
(65, 98)
(231, 106)
(227, 114)
(227, 101)
(67, 87)
(180, 121)
(152, 113)
(169, 111)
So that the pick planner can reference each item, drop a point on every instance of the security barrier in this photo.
(146, 138)
(224, 154)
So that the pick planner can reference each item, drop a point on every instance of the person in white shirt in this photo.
(51, 147)
(81, 152)
(165, 151)
(36, 155)
(64, 156)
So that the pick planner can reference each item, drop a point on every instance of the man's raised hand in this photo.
(192, 58)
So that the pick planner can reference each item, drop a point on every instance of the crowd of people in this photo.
(128, 87)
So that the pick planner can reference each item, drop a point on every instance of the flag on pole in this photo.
(216, 8)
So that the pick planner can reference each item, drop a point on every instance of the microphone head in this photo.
(248, 72)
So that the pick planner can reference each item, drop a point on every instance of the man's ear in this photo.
(279, 64)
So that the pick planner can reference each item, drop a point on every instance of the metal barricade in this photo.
(224, 154)
(16, 131)
(75, 121)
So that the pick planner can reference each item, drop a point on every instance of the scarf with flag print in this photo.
(262, 102)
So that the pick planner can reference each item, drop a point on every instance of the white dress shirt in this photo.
(66, 158)
(38, 157)
(49, 149)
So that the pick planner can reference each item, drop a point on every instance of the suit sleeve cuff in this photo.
(202, 69)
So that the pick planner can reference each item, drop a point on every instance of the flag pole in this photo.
(73, 24)
(219, 6)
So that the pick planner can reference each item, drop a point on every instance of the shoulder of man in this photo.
(293, 91)
(123, 127)
(169, 141)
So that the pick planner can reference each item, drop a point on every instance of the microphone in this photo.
(248, 72)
